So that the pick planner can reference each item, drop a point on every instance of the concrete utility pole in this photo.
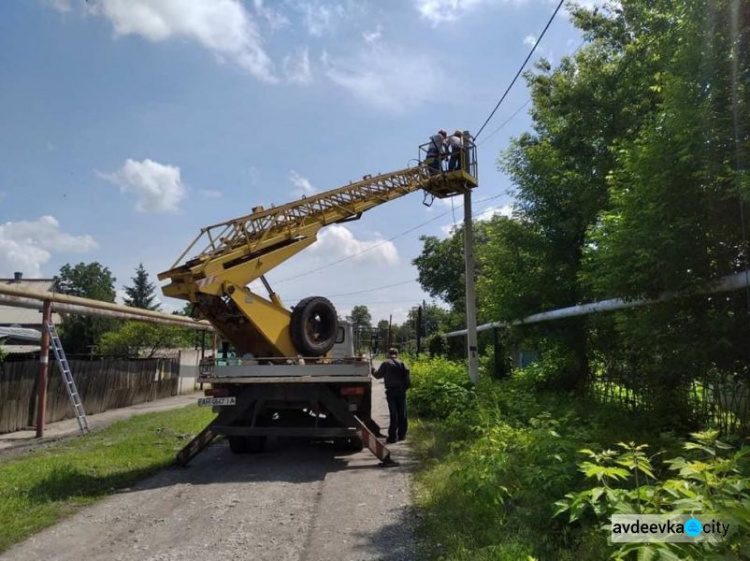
(471, 305)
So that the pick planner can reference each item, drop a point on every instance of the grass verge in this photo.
(493, 461)
(40, 488)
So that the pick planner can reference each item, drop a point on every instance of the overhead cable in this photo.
(520, 70)
(374, 246)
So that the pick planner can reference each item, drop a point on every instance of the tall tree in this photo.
(87, 280)
(441, 266)
(360, 318)
(142, 293)
(630, 184)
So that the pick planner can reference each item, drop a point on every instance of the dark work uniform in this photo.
(396, 377)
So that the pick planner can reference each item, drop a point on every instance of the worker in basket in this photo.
(456, 145)
(436, 151)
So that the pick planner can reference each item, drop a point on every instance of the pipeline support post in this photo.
(41, 399)
(471, 304)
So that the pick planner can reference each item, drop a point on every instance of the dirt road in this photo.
(296, 501)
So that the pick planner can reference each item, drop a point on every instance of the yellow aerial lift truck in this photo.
(287, 381)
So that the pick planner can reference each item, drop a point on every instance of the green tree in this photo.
(142, 293)
(360, 318)
(441, 265)
(361, 321)
(81, 333)
(674, 223)
(629, 185)
(135, 339)
(583, 111)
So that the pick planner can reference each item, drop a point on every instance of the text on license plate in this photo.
(214, 401)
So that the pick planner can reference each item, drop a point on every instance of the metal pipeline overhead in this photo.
(65, 303)
(736, 281)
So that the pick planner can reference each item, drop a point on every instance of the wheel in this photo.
(354, 444)
(256, 444)
(349, 444)
(238, 444)
(313, 326)
(246, 444)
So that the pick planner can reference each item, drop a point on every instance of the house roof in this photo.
(20, 334)
(20, 349)
(10, 315)
(35, 285)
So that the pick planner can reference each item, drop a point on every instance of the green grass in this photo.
(40, 488)
(492, 468)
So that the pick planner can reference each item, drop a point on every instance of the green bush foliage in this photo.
(439, 388)
(711, 477)
(493, 469)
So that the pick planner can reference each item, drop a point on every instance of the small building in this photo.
(21, 328)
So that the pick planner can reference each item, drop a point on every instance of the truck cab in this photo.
(343, 347)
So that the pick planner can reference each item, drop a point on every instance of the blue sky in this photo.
(126, 125)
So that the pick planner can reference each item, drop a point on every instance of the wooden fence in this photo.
(103, 384)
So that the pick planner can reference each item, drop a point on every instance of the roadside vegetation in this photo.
(40, 488)
(632, 182)
(512, 472)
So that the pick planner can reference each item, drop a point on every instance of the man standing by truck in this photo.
(397, 379)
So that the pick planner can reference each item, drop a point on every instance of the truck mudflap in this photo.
(379, 450)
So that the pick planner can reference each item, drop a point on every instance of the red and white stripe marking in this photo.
(373, 444)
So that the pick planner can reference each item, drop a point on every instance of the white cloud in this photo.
(318, 18)
(62, 6)
(297, 67)
(488, 213)
(372, 37)
(157, 187)
(302, 185)
(211, 193)
(439, 11)
(483, 215)
(385, 79)
(338, 241)
(530, 40)
(27, 245)
(223, 27)
(276, 20)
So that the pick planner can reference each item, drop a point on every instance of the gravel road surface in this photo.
(297, 501)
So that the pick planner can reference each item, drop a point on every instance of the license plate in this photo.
(216, 401)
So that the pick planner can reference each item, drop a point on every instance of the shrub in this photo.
(711, 477)
(437, 345)
(439, 388)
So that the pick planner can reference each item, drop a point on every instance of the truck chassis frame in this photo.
(253, 395)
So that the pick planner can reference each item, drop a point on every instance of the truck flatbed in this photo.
(283, 379)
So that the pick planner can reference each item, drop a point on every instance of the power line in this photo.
(520, 70)
(358, 253)
(374, 302)
(517, 111)
(374, 289)
(508, 120)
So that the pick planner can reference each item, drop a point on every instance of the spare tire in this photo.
(313, 326)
